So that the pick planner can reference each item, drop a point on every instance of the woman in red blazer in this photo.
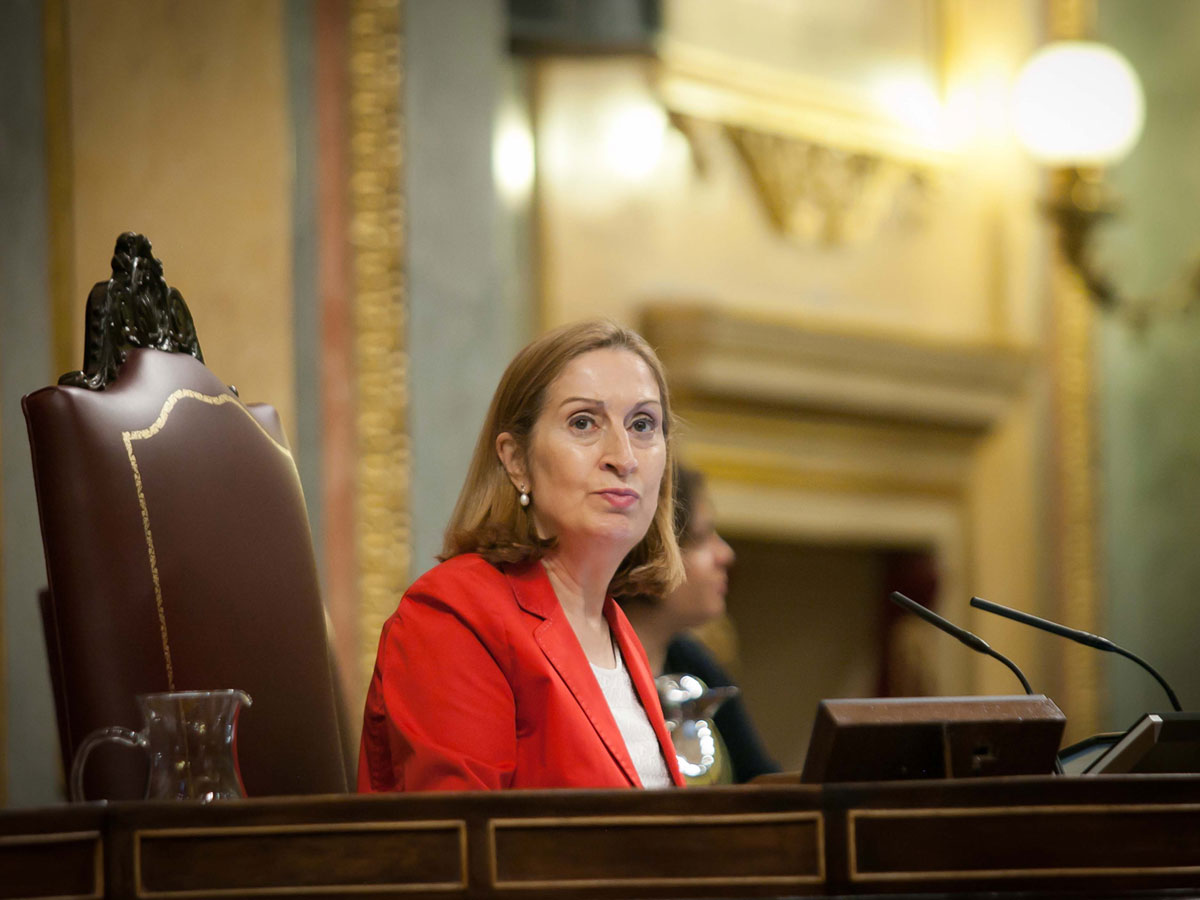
(509, 665)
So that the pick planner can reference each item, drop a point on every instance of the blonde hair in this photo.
(489, 520)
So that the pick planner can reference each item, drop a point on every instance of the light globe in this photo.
(1078, 103)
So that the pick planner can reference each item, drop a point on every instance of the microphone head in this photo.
(971, 640)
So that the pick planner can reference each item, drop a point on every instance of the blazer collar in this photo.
(554, 634)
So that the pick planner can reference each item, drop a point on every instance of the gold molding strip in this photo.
(1076, 585)
(458, 826)
(128, 437)
(1076, 590)
(854, 815)
(814, 817)
(778, 470)
(382, 526)
(60, 183)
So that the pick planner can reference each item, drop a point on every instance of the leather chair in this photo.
(177, 546)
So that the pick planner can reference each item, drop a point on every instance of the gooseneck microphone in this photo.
(973, 641)
(1074, 634)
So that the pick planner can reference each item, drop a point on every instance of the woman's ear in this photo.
(512, 459)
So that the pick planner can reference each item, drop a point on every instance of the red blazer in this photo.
(481, 683)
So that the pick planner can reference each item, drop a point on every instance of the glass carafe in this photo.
(688, 706)
(191, 740)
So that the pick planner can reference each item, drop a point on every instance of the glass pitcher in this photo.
(191, 739)
(688, 706)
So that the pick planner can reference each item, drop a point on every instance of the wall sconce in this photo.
(1078, 107)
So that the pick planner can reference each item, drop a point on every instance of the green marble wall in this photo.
(29, 765)
(1149, 382)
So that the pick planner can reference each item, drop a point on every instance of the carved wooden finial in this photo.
(134, 308)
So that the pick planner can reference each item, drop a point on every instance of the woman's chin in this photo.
(615, 540)
(715, 608)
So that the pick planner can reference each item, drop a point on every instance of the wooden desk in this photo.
(1035, 836)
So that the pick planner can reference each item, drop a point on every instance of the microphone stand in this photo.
(971, 640)
(1082, 637)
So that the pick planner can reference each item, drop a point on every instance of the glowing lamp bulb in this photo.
(1078, 103)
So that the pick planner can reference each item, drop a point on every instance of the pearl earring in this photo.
(524, 498)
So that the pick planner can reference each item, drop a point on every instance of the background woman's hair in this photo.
(689, 487)
(488, 519)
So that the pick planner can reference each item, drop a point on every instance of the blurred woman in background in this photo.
(663, 624)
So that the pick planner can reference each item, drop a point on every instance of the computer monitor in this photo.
(903, 738)
(1157, 742)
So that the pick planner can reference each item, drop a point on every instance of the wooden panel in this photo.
(1024, 842)
(52, 865)
(297, 859)
(646, 851)
(1016, 837)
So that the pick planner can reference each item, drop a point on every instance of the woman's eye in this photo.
(644, 424)
(580, 423)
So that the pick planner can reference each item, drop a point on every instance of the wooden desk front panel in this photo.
(1107, 835)
(1027, 837)
(52, 853)
(538, 844)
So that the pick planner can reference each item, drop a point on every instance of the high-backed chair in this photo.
(177, 546)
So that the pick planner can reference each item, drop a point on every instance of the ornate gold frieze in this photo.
(382, 526)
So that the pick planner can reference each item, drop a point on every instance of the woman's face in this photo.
(706, 562)
(597, 452)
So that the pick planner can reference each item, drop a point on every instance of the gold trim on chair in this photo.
(128, 437)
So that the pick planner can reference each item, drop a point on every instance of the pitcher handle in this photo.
(113, 733)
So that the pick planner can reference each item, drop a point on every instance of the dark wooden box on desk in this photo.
(1032, 836)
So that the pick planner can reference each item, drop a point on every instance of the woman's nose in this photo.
(724, 552)
(618, 452)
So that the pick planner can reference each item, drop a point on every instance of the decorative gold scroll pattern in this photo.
(380, 312)
(128, 437)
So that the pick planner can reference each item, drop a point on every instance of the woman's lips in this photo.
(620, 499)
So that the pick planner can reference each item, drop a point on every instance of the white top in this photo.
(639, 736)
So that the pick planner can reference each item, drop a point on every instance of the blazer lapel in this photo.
(534, 593)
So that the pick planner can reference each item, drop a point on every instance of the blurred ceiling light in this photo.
(634, 136)
(914, 102)
(1077, 107)
(1078, 103)
(513, 157)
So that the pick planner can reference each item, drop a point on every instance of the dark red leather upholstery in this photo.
(179, 557)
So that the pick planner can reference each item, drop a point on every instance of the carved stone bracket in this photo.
(828, 166)
(134, 308)
(821, 194)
